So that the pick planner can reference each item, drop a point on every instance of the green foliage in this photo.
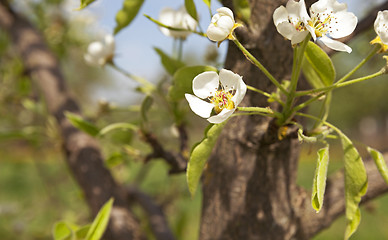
(145, 107)
(170, 64)
(100, 222)
(85, 3)
(317, 66)
(356, 184)
(320, 176)
(115, 126)
(242, 9)
(207, 2)
(190, 8)
(62, 231)
(125, 16)
(82, 124)
(183, 80)
(200, 154)
(380, 162)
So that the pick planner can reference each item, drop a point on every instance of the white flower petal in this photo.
(286, 29)
(226, 11)
(216, 34)
(91, 60)
(198, 106)
(280, 15)
(177, 19)
(294, 10)
(381, 26)
(96, 49)
(342, 24)
(334, 44)
(229, 80)
(205, 84)
(222, 116)
(240, 92)
(312, 31)
(299, 37)
(109, 42)
(327, 6)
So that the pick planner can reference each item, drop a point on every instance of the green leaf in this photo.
(114, 160)
(145, 107)
(356, 184)
(207, 2)
(320, 176)
(115, 126)
(62, 231)
(128, 12)
(100, 222)
(317, 66)
(170, 64)
(200, 154)
(242, 9)
(82, 124)
(82, 231)
(85, 3)
(190, 8)
(183, 80)
(380, 162)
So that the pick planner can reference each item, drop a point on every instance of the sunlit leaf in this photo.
(85, 3)
(100, 222)
(190, 8)
(380, 163)
(82, 231)
(242, 9)
(115, 126)
(62, 231)
(183, 80)
(356, 184)
(128, 12)
(317, 66)
(82, 124)
(200, 155)
(320, 176)
(207, 2)
(170, 64)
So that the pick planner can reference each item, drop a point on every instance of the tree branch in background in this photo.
(83, 154)
(156, 217)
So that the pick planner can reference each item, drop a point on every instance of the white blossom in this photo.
(100, 52)
(288, 21)
(330, 19)
(219, 94)
(177, 19)
(381, 26)
(222, 25)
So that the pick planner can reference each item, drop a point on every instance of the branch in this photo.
(157, 219)
(177, 162)
(83, 154)
(334, 202)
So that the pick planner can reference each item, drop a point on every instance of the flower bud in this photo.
(222, 25)
(100, 52)
(177, 19)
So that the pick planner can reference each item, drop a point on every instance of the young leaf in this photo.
(170, 64)
(82, 124)
(190, 8)
(62, 231)
(317, 66)
(115, 126)
(100, 223)
(85, 3)
(380, 162)
(183, 80)
(356, 184)
(145, 106)
(207, 2)
(319, 183)
(200, 154)
(125, 16)
(82, 231)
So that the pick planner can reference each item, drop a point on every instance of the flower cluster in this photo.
(328, 19)
(217, 94)
(100, 52)
(177, 19)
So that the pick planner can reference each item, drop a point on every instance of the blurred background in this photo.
(37, 190)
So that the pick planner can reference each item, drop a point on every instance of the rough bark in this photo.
(249, 186)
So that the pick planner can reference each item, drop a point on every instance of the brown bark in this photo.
(249, 186)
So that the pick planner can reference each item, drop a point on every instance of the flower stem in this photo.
(258, 91)
(131, 76)
(296, 66)
(366, 59)
(339, 85)
(253, 60)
